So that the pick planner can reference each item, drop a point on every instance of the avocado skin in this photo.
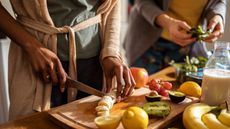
(174, 98)
(153, 98)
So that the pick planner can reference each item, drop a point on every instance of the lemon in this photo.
(190, 88)
(135, 118)
(107, 122)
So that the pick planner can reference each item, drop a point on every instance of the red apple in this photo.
(140, 76)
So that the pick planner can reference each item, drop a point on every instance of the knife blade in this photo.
(83, 87)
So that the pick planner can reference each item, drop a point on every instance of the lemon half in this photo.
(107, 122)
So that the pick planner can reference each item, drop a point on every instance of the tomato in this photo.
(166, 85)
(163, 92)
(140, 76)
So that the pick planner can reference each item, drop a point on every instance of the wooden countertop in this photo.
(42, 120)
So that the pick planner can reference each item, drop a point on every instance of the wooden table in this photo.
(41, 120)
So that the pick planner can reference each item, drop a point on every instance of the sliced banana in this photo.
(103, 113)
(105, 104)
(102, 108)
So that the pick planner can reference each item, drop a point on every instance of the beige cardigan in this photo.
(27, 92)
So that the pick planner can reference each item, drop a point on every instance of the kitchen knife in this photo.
(83, 87)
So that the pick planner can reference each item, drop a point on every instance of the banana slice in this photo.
(106, 101)
(105, 104)
(102, 108)
(103, 113)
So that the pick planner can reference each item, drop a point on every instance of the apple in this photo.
(140, 76)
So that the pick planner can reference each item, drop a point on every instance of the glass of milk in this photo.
(216, 76)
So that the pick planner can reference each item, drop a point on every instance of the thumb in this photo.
(211, 25)
(185, 26)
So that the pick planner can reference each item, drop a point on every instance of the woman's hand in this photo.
(112, 66)
(177, 29)
(43, 61)
(47, 64)
(216, 27)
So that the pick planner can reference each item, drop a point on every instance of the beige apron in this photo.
(27, 92)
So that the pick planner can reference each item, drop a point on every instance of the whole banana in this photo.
(192, 116)
(224, 117)
(212, 122)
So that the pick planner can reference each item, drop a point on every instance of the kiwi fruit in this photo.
(157, 109)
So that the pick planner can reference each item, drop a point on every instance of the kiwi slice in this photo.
(176, 96)
(157, 109)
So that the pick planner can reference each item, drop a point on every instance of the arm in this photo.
(156, 16)
(149, 10)
(216, 16)
(43, 60)
(111, 59)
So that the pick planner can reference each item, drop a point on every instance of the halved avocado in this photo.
(150, 98)
(157, 109)
(176, 96)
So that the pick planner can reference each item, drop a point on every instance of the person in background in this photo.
(130, 5)
(157, 30)
(53, 40)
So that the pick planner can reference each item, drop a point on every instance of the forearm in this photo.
(149, 10)
(111, 46)
(15, 31)
(163, 20)
(219, 8)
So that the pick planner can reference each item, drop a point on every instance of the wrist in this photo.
(30, 45)
(163, 20)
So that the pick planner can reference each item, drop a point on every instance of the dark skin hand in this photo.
(48, 66)
(112, 66)
(43, 61)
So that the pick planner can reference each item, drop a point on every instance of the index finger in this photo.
(61, 73)
(181, 35)
(118, 74)
(212, 25)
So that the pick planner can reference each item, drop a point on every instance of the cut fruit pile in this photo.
(105, 104)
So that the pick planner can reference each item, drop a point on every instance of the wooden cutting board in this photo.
(81, 114)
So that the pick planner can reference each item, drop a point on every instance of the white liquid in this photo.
(215, 86)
